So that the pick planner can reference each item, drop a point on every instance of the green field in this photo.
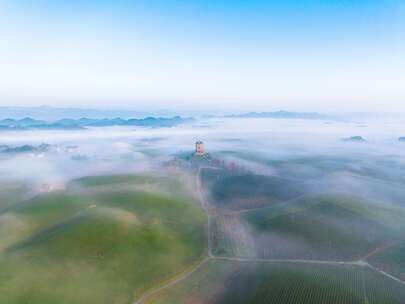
(379, 168)
(327, 227)
(11, 192)
(391, 259)
(103, 240)
(324, 227)
(232, 237)
(235, 191)
(224, 282)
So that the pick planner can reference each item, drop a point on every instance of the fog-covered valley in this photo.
(252, 143)
(136, 200)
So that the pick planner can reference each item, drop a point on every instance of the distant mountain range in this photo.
(281, 114)
(49, 113)
(53, 113)
(82, 123)
(5, 149)
(28, 122)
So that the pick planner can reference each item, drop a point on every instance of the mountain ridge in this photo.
(83, 123)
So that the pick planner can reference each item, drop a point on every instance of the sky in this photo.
(328, 56)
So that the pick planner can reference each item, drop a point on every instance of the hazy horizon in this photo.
(324, 56)
(54, 113)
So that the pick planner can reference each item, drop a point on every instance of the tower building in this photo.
(199, 148)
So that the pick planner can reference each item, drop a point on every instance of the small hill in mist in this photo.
(356, 138)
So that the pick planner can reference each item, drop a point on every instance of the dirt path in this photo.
(385, 274)
(258, 260)
(380, 248)
(172, 282)
(273, 206)
(206, 207)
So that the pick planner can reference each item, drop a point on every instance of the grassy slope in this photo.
(324, 227)
(391, 260)
(70, 253)
(223, 282)
(244, 191)
(11, 192)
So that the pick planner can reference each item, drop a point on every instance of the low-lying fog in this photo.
(252, 143)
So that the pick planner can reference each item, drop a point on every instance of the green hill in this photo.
(236, 191)
(100, 242)
(323, 227)
(11, 192)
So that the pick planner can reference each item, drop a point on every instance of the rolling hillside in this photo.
(95, 243)
(323, 227)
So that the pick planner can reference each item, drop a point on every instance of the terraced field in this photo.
(226, 282)
(240, 191)
(103, 240)
(318, 227)
(323, 228)
(231, 237)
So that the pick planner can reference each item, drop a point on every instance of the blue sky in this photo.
(232, 55)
